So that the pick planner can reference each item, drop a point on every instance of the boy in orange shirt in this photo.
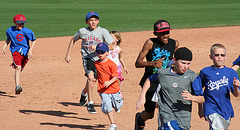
(108, 86)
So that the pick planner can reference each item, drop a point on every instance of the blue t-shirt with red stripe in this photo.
(20, 39)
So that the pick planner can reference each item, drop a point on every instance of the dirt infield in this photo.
(51, 87)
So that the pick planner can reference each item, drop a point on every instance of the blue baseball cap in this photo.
(90, 14)
(102, 47)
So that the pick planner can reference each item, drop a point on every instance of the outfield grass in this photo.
(50, 18)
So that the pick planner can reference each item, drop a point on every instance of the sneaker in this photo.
(137, 126)
(91, 109)
(113, 127)
(18, 89)
(83, 100)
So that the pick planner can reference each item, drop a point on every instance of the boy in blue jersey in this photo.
(21, 50)
(218, 81)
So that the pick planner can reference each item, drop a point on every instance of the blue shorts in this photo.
(110, 101)
(171, 125)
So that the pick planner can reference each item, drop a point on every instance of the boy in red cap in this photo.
(158, 53)
(20, 47)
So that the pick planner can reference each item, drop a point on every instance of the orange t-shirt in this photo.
(105, 72)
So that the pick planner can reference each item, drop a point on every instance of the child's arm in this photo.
(141, 98)
(68, 58)
(236, 64)
(4, 46)
(108, 83)
(30, 50)
(190, 97)
(122, 61)
(236, 85)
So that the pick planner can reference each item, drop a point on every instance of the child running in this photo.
(176, 92)
(218, 81)
(20, 47)
(91, 36)
(108, 87)
(116, 55)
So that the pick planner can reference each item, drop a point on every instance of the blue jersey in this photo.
(20, 39)
(218, 83)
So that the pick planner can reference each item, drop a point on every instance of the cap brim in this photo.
(164, 30)
(21, 22)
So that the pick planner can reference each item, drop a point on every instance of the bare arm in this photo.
(146, 48)
(236, 85)
(4, 46)
(108, 83)
(190, 97)
(68, 58)
(235, 67)
(30, 50)
(141, 98)
(122, 61)
(177, 45)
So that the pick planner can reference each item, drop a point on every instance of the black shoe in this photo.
(83, 100)
(18, 89)
(137, 126)
(91, 109)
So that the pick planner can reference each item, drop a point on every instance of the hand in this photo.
(236, 82)
(140, 102)
(30, 55)
(158, 63)
(107, 84)
(93, 47)
(3, 51)
(67, 58)
(125, 71)
(187, 95)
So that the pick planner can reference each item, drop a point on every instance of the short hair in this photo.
(117, 35)
(216, 46)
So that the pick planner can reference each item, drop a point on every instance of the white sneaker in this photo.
(113, 127)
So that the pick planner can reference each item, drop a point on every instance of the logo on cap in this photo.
(163, 25)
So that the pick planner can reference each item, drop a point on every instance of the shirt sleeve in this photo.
(237, 61)
(154, 78)
(30, 35)
(107, 36)
(77, 36)
(197, 86)
(8, 37)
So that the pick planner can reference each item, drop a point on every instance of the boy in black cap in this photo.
(176, 92)
(158, 52)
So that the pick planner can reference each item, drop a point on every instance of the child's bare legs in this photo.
(17, 75)
(110, 117)
(89, 88)
(18, 89)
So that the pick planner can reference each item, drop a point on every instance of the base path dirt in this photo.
(52, 87)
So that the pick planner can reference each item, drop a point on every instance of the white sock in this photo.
(113, 125)
(90, 102)
(83, 93)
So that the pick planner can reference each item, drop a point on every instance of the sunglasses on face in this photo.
(100, 52)
(217, 55)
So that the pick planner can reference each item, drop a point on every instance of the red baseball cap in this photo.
(162, 26)
(19, 18)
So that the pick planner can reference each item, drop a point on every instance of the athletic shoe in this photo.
(83, 100)
(113, 127)
(18, 89)
(137, 126)
(91, 109)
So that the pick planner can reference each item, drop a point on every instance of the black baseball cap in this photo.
(162, 26)
(183, 53)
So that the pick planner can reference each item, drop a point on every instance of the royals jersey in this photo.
(92, 37)
(20, 39)
(218, 84)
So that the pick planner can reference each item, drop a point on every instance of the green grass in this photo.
(50, 18)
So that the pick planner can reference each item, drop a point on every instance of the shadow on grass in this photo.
(6, 95)
(53, 113)
(90, 127)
